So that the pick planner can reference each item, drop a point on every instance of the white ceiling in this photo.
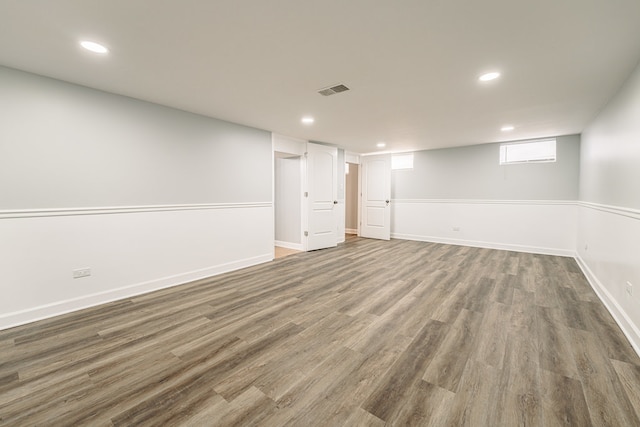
(412, 65)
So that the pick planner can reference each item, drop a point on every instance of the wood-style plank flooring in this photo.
(370, 333)
(280, 252)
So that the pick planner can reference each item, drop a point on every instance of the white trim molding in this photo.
(607, 248)
(289, 245)
(129, 251)
(487, 245)
(629, 329)
(486, 201)
(34, 213)
(534, 226)
(618, 210)
(57, 308)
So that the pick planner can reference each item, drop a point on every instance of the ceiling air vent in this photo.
(333, 90)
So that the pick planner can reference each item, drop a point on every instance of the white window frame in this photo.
(504, 152)
(401, 161)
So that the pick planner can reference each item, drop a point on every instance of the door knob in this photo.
(335, 202)
(386, 201)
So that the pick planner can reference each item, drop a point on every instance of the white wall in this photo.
(608, 241)
(146, 196)
(463, 196)
(546, 227)
(288, 145)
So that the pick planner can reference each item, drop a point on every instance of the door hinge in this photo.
(306, 234)
(306, 194)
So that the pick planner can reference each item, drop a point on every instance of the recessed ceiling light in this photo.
(489, 76)
(307, 120)
(381, 145)
(94, 47)
(507, 128)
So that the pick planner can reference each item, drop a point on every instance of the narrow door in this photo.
(322, 185)
(376, 197)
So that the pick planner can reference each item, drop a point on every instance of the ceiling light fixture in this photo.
(307, 120)
(94, 47)
(381, 145)
(507, 128)
(489, 76)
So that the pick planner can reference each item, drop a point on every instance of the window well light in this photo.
(507, 128)
(489, 76)
(307, 120)
(94, 47)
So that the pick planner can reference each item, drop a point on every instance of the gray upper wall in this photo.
(474, 172)
(63, 145)
(610, 154)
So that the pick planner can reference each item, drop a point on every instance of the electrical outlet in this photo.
(81, 272)
(629, 288)
(456, 228)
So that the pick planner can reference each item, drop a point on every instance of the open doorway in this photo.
(287, 203)
(351, 198)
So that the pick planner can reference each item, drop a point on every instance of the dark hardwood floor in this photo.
(370, 333)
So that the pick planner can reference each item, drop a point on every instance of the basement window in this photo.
(402, 161)
(540, 151)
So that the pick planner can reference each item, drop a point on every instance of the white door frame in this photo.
(353, 158)
(304, 224)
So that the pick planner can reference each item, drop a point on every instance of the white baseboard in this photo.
(488, 245)
(351, 231)
(63, 307)
(628, 328)
(289, 245)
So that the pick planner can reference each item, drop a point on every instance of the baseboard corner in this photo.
(486, 245)
(619, 315)
(289, 245)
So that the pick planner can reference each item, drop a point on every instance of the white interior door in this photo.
(376, 197)
(322, 190)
